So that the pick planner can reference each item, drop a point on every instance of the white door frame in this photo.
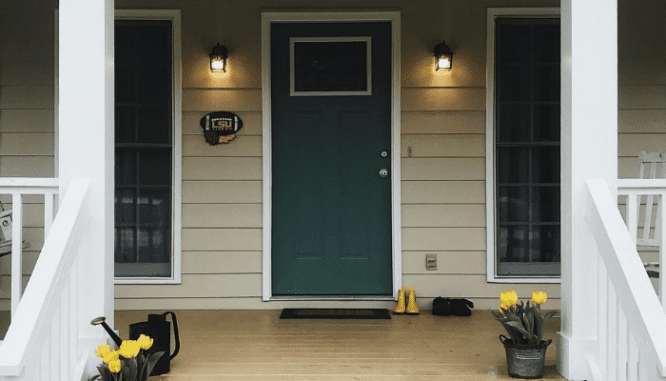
(267, 18)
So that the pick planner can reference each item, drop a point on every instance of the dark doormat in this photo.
(334, 313)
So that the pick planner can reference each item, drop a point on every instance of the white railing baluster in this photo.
(73, 309)
(632, 365)
(622, 345)
(602, 317)
(662, 247)
(17, 249)
(49, 210)
(65, 337)
(54, 343)
(612, 332)
(632, 214)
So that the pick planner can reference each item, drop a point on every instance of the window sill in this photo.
(146, 281)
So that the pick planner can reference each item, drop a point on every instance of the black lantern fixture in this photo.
(218, 59)
(443, 57)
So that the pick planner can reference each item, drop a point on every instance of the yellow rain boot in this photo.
(412, 308)
(400, 308)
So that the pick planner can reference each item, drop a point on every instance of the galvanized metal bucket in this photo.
(525, 360)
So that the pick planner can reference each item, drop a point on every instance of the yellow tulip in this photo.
(110, 356)
(539, 297)
(115, 366)
(508, 299)
(129, 349)
(145, 342)
(102, 350)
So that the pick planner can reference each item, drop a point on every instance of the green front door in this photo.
(331, 139)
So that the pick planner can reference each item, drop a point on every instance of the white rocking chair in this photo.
(6, 232)
(652, 166)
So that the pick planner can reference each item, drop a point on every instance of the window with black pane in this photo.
(143, 148)
(527, 147)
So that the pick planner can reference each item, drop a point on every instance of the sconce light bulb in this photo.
(444, 63)
(217, 65)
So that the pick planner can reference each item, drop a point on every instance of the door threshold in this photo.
(379, 298)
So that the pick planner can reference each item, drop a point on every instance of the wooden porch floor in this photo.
(257, 345)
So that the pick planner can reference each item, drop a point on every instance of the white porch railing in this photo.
(42, 342)
(18, 188)
(634, 189)
(631, 336)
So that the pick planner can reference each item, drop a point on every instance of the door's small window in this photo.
(330, 66)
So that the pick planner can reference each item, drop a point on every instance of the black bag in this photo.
(441, 306)
(451, 306)
(159, 329)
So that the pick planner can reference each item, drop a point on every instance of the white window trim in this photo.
(176, 219)
(491, 248)
(267, 18)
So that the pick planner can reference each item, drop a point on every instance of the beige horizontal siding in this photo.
(448, 262)
(443, 122)
(222, 168)
(462, 98)
(642, 97)
(443, 168)
(443, 192)
(221, 99)
(242, 145)
(24, 121)
(197, 286)
(26, 166)
(444, 239)
(642, 122)
(466, 215)
(471, 286)
(222, 216)
(449, 145)
(217, 192)
(26, 97)
(222, 239)
(26, 144)
(222, 262)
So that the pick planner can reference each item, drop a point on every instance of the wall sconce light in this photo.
(218, 59)
(443, 57)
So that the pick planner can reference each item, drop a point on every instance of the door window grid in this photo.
(527, 175)
(143, 148)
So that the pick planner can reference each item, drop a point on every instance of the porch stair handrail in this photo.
(42, 341)
(631, 336)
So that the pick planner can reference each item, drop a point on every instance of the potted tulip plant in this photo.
(129, 363)
(525, 348)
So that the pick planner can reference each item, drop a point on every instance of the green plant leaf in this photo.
(151, 361)
(132, 374)
(527, 324)
(538, 323)
(549, 315)
(104, 373)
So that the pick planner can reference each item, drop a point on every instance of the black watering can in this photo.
(159, 329)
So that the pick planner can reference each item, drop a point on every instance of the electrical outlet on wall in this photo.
(431, 262)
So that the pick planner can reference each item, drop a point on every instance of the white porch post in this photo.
(86, 126)
(589, 151)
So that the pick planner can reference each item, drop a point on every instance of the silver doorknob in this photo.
(383, 173)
